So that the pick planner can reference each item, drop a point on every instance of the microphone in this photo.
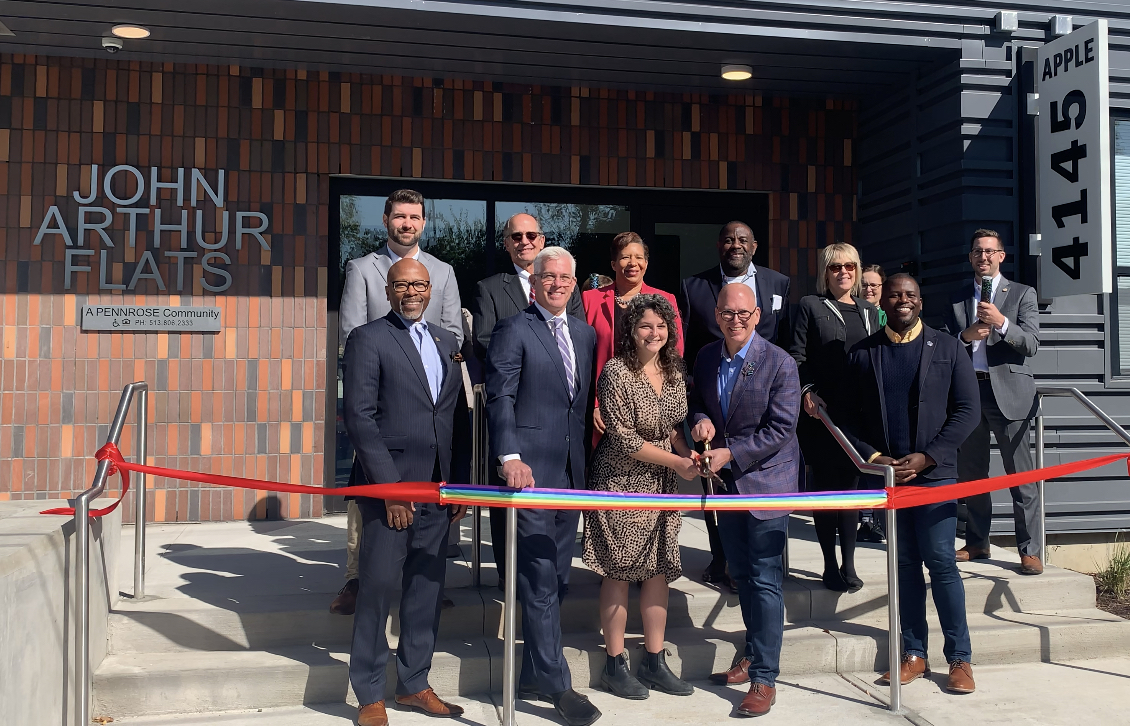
(986, 289)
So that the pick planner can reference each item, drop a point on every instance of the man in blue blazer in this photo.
(538, 372)
(406, 413)
(745, 400)
(915, 400)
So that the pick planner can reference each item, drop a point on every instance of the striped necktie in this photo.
(560, 334)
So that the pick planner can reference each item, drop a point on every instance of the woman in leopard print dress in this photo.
(643, 397)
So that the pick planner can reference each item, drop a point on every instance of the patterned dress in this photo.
(637, 545)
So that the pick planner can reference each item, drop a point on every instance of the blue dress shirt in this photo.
(429, 353)
(728, 370)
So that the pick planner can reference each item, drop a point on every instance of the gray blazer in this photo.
(1013, 384)
(363, 297)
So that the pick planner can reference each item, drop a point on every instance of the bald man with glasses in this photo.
(500, 296)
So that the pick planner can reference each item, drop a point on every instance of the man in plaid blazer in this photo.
(745, 400)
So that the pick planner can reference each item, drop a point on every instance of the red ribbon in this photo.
(899, 497)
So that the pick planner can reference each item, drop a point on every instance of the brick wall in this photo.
(249, 400)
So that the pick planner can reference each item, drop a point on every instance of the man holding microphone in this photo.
(998, 322)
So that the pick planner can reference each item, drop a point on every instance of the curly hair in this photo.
(670, 362)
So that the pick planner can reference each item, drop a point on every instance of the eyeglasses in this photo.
(869, 285)
(401, 286)
(549, 278)
(983, 252)
(729, 315)
(835, 267)
(531, 236)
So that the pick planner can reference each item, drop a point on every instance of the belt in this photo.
(982, 375)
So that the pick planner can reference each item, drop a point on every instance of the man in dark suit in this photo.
(745, 399)
(697, 300)
(406, 412)
(1000, 335)
(538, 372)
(500, 296)
(914, 402)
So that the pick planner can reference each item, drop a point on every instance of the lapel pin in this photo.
(436, 338)
(929, 342)
(456, 357)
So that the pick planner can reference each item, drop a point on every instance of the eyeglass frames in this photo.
(531, 236)
(401, 286)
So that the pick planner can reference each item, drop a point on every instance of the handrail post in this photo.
(140, 494)
(1043, 534)
(509, 614)
(477, 455)
(894, 605)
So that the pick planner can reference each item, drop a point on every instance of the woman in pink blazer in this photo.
(604, 306)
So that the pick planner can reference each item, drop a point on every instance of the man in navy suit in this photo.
(916, 401)
(406, 413)
(538, 372)
(745, 400)
(698, 298)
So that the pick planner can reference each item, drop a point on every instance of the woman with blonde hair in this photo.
(827, 326)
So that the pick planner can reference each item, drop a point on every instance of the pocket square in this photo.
(776, 303)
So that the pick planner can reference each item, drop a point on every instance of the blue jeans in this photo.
(926, 536)
(754, 549)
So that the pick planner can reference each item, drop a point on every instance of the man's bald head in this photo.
(737, 315)
(736, 296)
(409, 288)
(523, 239)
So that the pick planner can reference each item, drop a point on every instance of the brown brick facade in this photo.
(250, 400)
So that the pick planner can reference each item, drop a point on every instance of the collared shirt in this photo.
(728, 369)
(748, 278)
(397, 258)
(524, 280)
(549, 319)
(980, 359)
(429, 353)
(914, 332)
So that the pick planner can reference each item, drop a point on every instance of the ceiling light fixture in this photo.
(131, 32)
(737, 72)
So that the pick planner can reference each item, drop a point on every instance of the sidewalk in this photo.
(1099, 695)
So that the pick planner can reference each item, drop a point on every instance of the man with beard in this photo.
(363, 299)
(406, 411)
(697, 299)
(500, 296)
(915, 402)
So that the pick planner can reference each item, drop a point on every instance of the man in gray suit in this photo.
(407, 412)
(1000, 335)
(363, 299)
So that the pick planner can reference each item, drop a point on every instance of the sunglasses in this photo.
(835, 267)
(531, 236)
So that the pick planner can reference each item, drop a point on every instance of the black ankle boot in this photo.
(655, 674)
(617, 679)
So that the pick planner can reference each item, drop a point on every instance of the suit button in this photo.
(566, 438)
(433, 446)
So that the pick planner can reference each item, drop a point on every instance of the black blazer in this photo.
(819, 343)
(500, 296)
(698, 296)
(396, 429)
(947, 410)
(529, 411)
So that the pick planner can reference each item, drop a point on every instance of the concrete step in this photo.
(188, 682)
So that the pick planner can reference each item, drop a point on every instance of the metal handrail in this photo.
(82, 538)
(479, 475)
(1064, 391)
(894, 629)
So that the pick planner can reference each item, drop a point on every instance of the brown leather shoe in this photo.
(758, 701)
(1031, 565)
(372, 715)
(965, 554)
(738, 674)
(961, 678)
(346, 601)
(911, 669)
(428, 702)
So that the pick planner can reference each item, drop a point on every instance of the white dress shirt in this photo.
(980, 360)
(749, 278)
(524, 279)
(549, 318)
(397, 258)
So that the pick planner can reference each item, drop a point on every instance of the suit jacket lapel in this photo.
(541, 330)
(382, 262)
(877, 368)
(929, 339)
(583, 366)
(764, 295)
(513, 285)
(404, 338)
(1002, 294)
(970, 312)
(453, 373)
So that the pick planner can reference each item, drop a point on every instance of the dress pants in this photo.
(1016, 454)
(546, 539)
(754, 553)
(717, 551)
(926, 536)
(498, 538)
(414, 559)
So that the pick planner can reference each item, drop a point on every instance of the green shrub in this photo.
(1114, 579)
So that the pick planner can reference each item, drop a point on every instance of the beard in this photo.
(414, 315)
(394, 236)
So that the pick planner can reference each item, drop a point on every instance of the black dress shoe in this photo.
(655, 674)
(834, 581)
(617, 679)
(575, 709)
(531, 693)
(853, 582)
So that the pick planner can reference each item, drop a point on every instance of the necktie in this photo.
(566, 353)
(531, 281)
